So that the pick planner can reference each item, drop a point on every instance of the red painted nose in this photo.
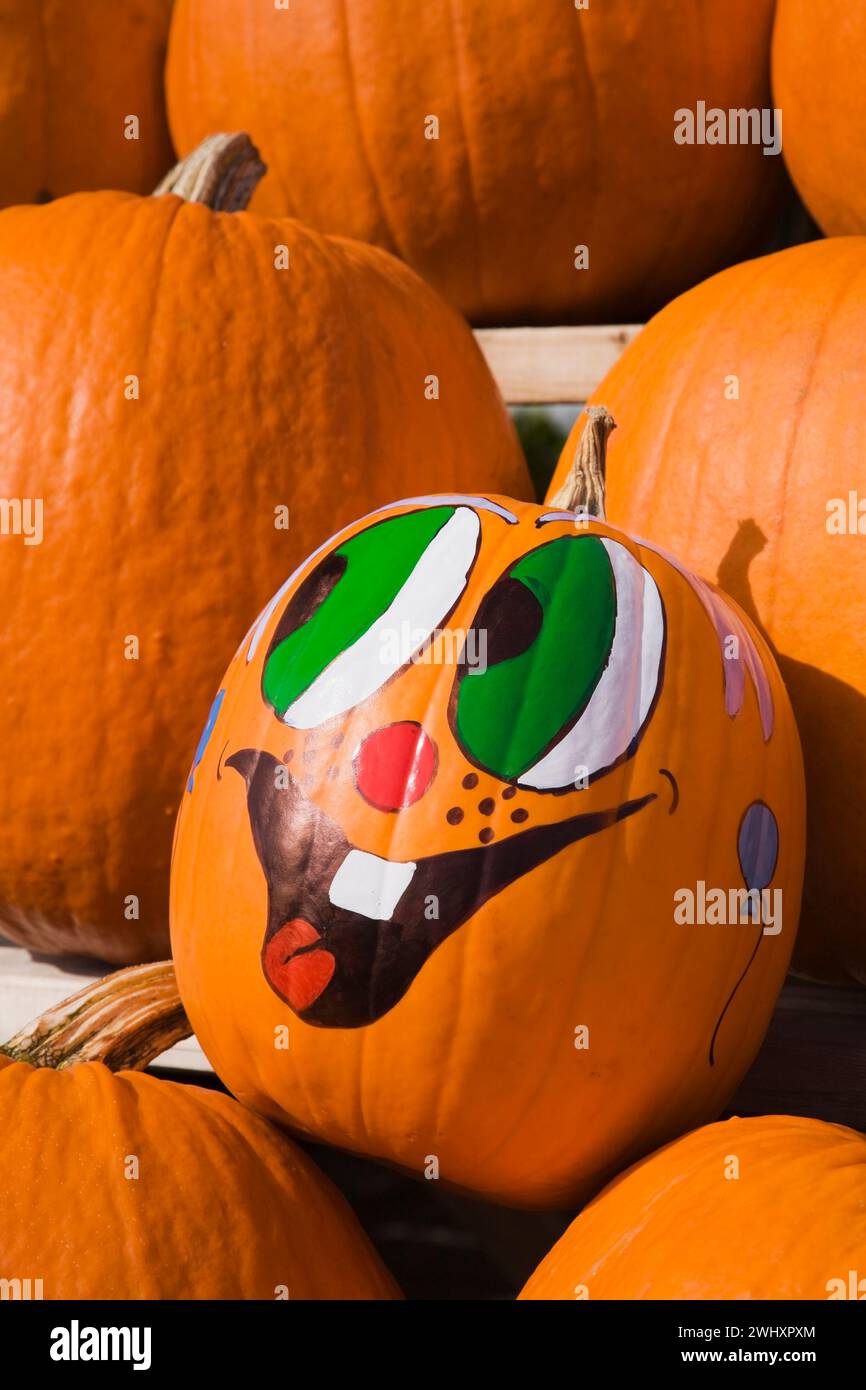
(394, 766)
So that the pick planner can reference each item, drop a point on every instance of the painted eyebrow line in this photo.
(562, 516)
(459, 499)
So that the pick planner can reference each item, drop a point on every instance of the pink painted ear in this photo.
(727, 624)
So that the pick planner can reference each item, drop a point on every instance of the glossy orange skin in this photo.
(222, 1207)
(71, 71)
(739, 490)
(258, 389)
(477, 1063)
(556, 129)
(819, 79)
(678, 1225)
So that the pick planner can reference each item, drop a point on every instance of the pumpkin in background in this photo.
(555, 132)
(764, 492)
(819, 81)
(122, 1186)
(763, 1208)
(71, 74)
(191, 419)
(455, 775)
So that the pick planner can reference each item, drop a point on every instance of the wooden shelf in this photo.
(31, 984)
(552, 366)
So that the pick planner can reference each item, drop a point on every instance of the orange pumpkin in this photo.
(755, 480)
(73, 76)
(460, 775)
(121, 1186)
(521, 156)
(765, 1208)
(183, 420)
(819, 81)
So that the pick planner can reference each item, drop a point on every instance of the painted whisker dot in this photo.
(519, 815)
(486, 835)
(470, 780)
(487, 806)
(508, 793)
(454, 816)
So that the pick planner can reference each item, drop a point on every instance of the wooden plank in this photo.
(31, 984)
(551, 366)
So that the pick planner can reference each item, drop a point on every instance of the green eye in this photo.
(574, 637)
(396, 580)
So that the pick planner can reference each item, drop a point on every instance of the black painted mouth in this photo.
(338, 968)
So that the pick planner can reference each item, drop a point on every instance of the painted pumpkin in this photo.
(455, 776)
(183, 419)
(72, 74)
(720, 1215)
(122, 1186)
(755, 480)
(522, 157)
(824, 105)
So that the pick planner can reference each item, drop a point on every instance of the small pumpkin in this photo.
(819, 81)
(522, 157)
(772, 1207)
(74, 76)
(459, 775)
(118, 1185)
(190, 400)
(755, 480)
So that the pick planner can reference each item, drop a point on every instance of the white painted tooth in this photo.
(369, 885)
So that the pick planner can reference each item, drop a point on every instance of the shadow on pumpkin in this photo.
(830, 944)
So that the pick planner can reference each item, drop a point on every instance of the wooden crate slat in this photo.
(31, 984)
(551, 366)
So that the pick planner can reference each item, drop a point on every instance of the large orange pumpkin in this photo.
(742, 434)
(73, 75)
(122, 1186)
(496, 147)
(459, 776)
(765, 1208)
(190, 401)
(819, 81)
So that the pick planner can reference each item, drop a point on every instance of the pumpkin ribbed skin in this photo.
(444, 1025)
(791, 1225)
(222, 1206)
(556, 129)
(819, 80)
(258, 389)
(71, 71)
(739, 489)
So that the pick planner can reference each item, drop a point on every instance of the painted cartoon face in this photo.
(443, 687)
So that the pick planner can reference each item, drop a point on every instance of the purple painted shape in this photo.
(758, 845)
(728, 623)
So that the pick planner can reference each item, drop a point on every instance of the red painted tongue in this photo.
(299, 979)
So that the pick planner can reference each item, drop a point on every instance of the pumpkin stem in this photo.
(583, 489)
(221, 172)
(124, 1020)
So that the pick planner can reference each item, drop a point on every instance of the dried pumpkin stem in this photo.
(583, 489)
(221, 172)
(124, 1020)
